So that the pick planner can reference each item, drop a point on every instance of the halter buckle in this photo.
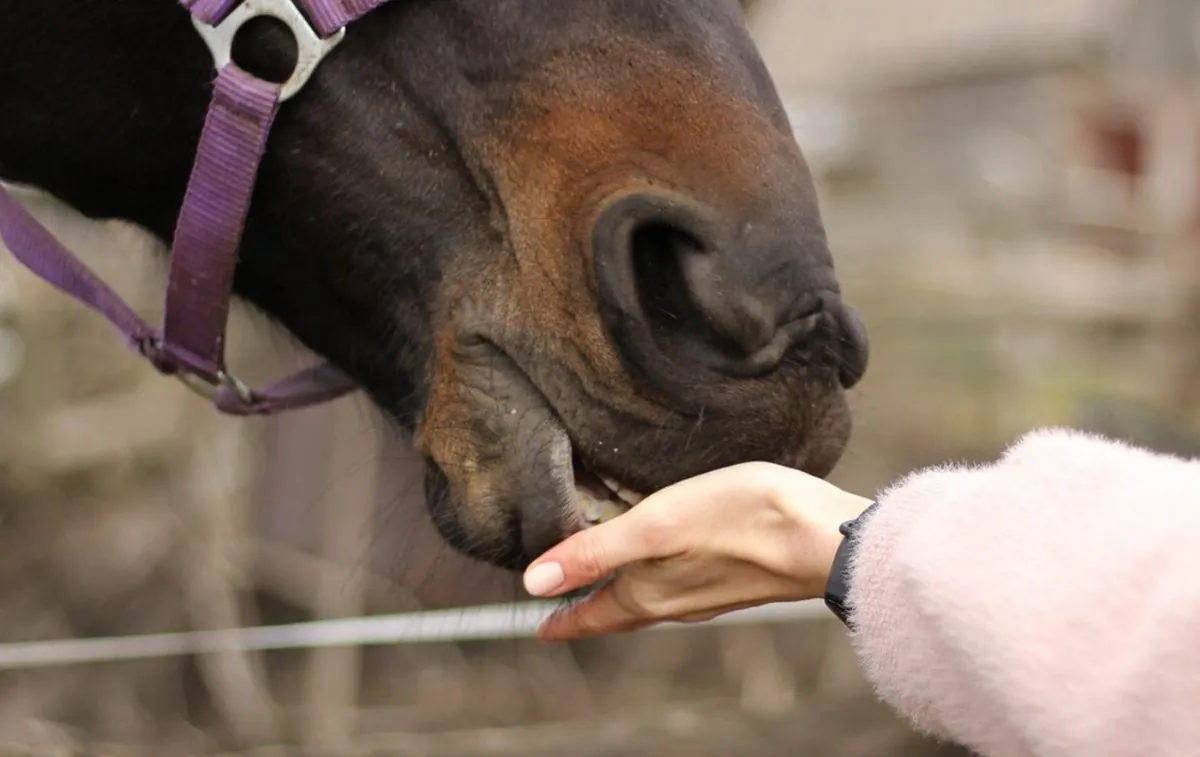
(311, 48)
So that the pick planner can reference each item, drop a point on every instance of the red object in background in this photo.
(1120, 147)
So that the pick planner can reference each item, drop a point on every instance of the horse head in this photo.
(571, 245)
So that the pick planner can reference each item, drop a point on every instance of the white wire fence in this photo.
(491, 622)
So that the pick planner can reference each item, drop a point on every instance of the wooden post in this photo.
(346, 510)
(213, 567)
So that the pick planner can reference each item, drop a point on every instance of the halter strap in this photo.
(211, 221)
(41, 253)
(326, 16)
(212, 218)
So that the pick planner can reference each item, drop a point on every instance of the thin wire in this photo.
(456, 625)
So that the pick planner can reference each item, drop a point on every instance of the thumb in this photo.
(586, 557)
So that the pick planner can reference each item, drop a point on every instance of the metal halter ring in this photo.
(208, 390)
(311, 49)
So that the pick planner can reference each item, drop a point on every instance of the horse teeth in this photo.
(626, 495)
(629, 497)
(596, 511)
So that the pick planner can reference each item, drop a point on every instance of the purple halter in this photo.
(191, 343)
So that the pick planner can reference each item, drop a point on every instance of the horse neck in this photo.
(101, 104)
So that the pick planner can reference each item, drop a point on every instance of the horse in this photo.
(571, 246)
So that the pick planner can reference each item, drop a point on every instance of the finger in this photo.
(596, 553)
(599, 614)
(654, 529)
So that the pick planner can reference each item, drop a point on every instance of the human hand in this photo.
(729, 539)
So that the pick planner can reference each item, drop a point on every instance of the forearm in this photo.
(1045, 605)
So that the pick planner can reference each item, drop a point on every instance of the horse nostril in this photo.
(667, 262)
(736, 298)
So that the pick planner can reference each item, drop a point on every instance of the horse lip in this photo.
(574, 476)
(546, 496)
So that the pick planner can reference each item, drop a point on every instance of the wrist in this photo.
(829, 537)
(816, 512)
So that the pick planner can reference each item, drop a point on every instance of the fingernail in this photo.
(542, 579)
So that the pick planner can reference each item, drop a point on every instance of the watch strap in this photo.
(837, 588)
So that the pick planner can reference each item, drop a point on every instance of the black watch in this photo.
(838, 586)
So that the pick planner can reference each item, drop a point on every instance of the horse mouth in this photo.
(523, 457)
(515, 477)
(599, 498)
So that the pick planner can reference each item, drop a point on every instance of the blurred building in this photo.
(1012, 191)
(1078, 117)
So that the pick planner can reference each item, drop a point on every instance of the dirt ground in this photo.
(713, 729)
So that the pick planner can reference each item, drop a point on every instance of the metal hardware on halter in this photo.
(224, 380)
(206, 384)
(311, 48)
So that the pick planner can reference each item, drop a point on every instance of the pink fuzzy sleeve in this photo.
(1046, 605)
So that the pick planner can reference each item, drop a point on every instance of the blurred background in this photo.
(1012, 191)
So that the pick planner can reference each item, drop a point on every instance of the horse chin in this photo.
(512, 482)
